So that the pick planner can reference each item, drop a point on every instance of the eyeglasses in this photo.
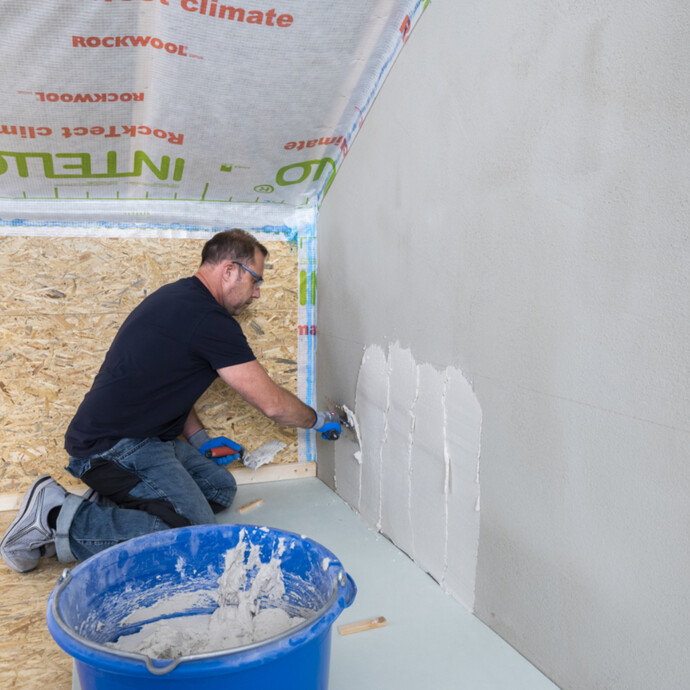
(257, 278)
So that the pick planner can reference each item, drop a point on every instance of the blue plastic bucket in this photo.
(91, 604)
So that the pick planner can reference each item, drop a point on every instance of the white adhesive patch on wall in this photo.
(396, 520)
(414, 476)
(462, 441)
(428, 474)
(371, 410)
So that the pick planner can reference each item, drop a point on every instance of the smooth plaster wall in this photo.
(516, 206)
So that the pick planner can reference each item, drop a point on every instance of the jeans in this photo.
(143, 486)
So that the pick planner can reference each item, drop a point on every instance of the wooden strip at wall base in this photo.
(274, 473)
(243, 475)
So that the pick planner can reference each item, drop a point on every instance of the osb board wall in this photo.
(61, 303)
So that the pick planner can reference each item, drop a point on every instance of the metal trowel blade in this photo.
(262, 455)
(348, 422)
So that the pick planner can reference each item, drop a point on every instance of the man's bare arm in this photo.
(192, 424)
(254, 385)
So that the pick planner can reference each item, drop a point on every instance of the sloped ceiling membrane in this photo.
(182, 109)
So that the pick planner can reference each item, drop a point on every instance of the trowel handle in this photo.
(220, 452)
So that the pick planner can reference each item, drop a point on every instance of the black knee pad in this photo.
(115, 483)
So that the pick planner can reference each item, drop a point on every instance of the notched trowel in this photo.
(261, 456)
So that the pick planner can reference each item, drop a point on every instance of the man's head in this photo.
(231, 245)
(232, 266)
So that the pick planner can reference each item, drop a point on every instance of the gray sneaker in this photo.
(29, 537)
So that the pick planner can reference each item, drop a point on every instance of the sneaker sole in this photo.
(23, 508)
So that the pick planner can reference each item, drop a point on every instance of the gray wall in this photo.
(516, 206)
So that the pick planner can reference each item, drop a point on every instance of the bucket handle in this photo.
(346, 582)
(166, 668)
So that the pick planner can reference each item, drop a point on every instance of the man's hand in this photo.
(222, 449)
(328, 425)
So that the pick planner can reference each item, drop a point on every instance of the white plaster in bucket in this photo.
(413, 475)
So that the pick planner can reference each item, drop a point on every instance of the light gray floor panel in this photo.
(430, 642)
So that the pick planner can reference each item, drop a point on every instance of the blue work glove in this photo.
(221, 449)
(328, 425)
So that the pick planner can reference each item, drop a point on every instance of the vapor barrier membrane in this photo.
(178, 112)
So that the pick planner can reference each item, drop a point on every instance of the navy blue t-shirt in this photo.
(162, 359)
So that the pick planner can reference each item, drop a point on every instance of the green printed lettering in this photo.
(331, 177)
(140, 158)
(22, 167)
(302, 287)
(20, 159)
(306, 168)
(322, 166)
(84, 166)
(111, 164)
(179, 169)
